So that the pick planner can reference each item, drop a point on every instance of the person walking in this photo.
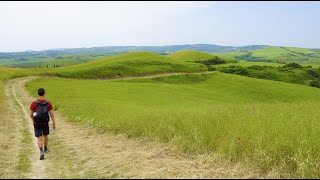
(39, 113)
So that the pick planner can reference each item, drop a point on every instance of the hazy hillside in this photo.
(253, 53)
(281, 55)
(122, 49)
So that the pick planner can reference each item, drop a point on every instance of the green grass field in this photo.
(128, 64)
(275, 54)
(51, 60)
(269, 52)
(229, 55)
(271, 124)
(190, 55)
(300, 50)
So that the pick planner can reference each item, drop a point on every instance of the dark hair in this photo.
(41, 91)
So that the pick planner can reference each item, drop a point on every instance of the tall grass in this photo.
(273, 125)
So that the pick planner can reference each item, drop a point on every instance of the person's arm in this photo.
(32, 111)
(53, 119)
(31, 115)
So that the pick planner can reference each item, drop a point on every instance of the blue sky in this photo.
(46, 25)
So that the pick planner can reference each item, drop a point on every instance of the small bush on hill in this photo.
(211, 61)
(315, 83)
(256, 67)
(211, 68)
(235, 70)
(313, 73)
(292, 65)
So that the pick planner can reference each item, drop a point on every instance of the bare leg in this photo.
(41, 148)
(45, 141)
(40, 142)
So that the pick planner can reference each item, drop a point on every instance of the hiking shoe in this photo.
(41, 155)
(46, 151)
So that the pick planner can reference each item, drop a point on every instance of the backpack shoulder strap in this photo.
(45, 103)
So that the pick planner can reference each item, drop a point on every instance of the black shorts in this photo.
(42, 129)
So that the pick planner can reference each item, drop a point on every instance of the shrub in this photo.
(256, 67)
(211, 68)
(315, 83)
(313, 73)
(235, 70)
(211, 61)
(292, 65)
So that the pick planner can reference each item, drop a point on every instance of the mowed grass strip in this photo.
(273, 125)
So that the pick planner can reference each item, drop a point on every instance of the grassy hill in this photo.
(274, 125)
(277, 54)
(190, 55)
(29, 59)
(230, 55)
(127, 64)
(254, 53)
(50, 60)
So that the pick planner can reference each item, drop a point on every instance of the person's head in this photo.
(41, 92)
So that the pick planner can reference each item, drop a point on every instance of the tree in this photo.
(292, 65)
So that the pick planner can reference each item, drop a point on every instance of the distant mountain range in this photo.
(123, 49)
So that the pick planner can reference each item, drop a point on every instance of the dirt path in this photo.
(158, 75)
(77, 151)
(38, 167)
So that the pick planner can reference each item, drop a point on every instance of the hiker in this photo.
(39, 113)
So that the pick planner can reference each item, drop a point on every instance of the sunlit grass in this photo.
(272, 124)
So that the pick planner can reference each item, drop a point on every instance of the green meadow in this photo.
(44, 60)
(190, 55)
(274, 54)
(274, 125)
(128, 64)
(229, 55)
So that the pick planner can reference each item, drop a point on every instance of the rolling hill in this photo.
(127, 64)
(270, 124)
(190, 55)
(252, 53)
(281, 55)
(273, 125)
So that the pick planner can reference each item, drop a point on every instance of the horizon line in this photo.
(60, 49)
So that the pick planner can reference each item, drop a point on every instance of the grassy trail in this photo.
(80, 152)
(157, 75)
(38, 167)
(14, 140)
